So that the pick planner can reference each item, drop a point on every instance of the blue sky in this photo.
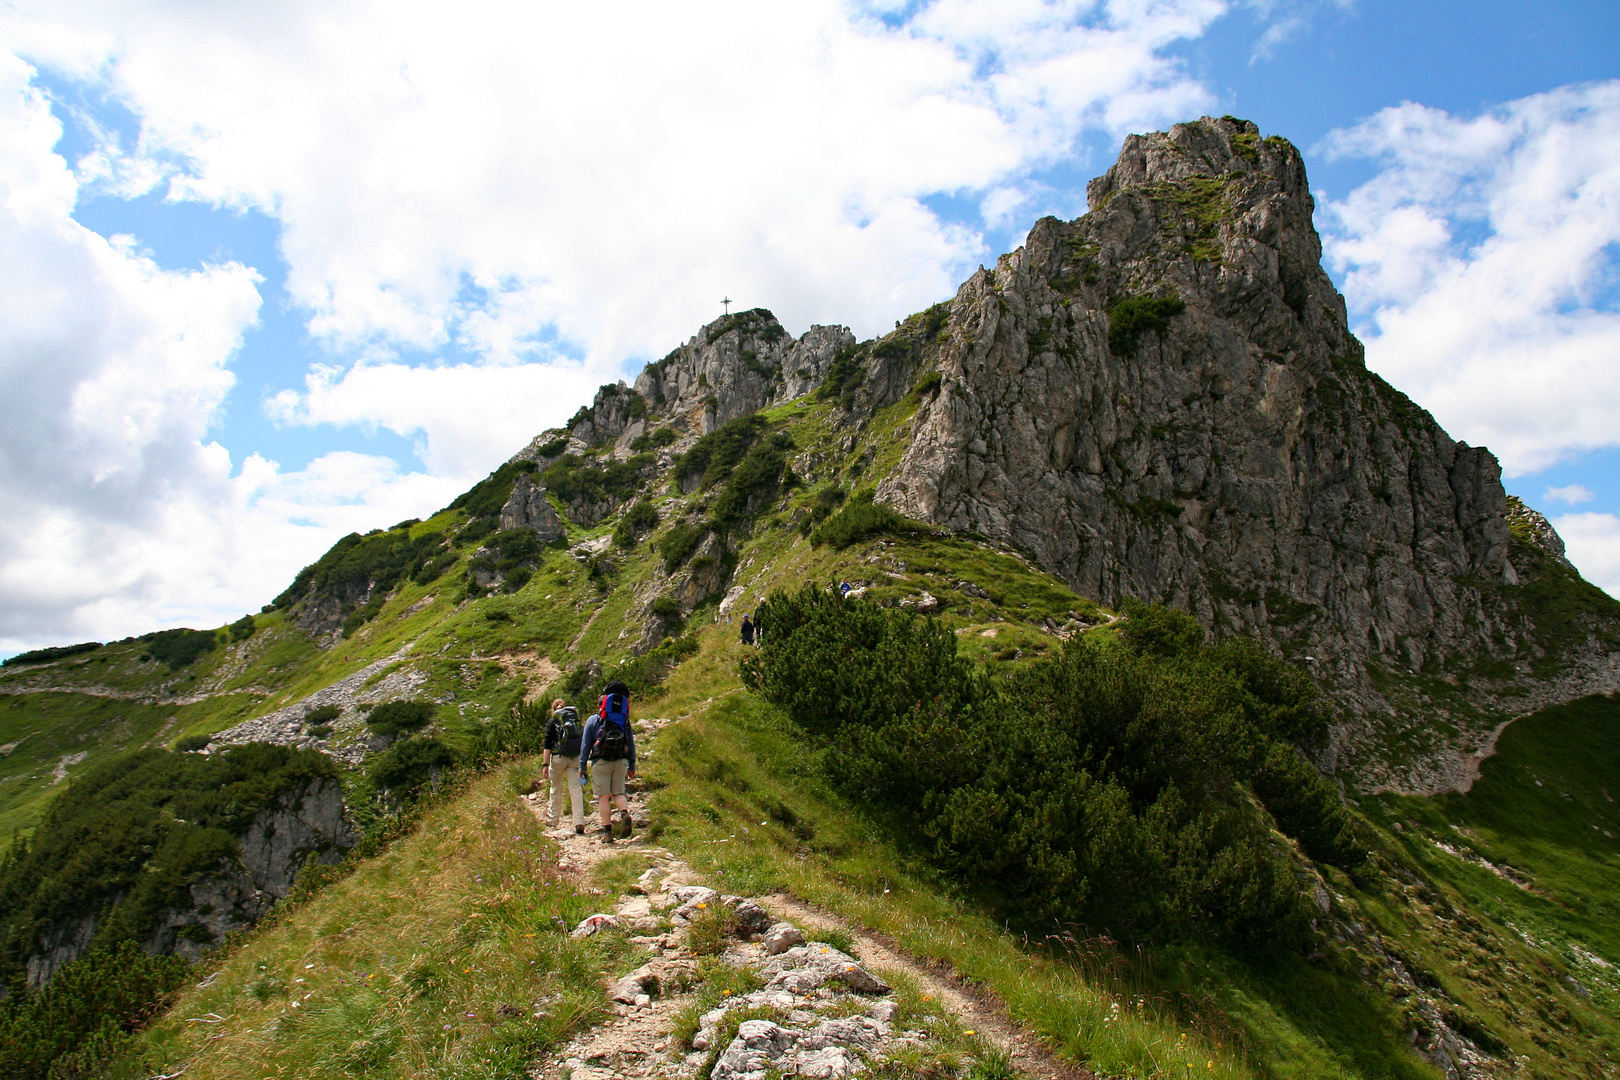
(321, 266)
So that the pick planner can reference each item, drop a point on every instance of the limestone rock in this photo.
(804, 968)
(692, 900)
(736, 366)
(528, 508)
(1235, 458)
(592, 924)
(781, 937)
(750, 918)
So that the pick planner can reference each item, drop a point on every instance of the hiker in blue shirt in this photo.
(608, 749)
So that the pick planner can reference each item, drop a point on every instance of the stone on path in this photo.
(781, 937)
(592, 923)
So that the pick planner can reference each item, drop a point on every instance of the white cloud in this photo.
(1480, 264)
(1570, 494)
(609, 174)
(482, 214)
(459, 404)
(1592, 542)
(117, 513)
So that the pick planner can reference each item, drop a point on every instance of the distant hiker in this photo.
(843, 589)
(610, 750)
(747, 631)
(560, 761)
(759, 626)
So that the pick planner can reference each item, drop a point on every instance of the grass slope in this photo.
(1517, 891)
(740, 799)
(445, 956)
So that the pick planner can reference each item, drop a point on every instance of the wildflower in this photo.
(969, 1031)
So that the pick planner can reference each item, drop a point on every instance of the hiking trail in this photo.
(814, 1011)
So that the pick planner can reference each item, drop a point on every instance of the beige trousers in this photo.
(565, 774)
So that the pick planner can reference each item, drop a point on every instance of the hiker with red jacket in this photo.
(609, 750)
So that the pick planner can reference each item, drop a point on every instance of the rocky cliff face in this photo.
(1162, 400)
(737, 365)
(309, 822)
(528, 508)
(305, 824)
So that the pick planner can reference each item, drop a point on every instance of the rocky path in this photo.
(740, 988)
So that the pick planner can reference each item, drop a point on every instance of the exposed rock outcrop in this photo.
(1162, 400)
(310, 822)
(737, 365)
(528, 508)
(307, 824)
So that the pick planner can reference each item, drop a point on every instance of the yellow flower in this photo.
(969, 1031)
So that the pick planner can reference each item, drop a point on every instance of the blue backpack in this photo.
(612, 733)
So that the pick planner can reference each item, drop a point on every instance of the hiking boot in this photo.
(607, 836)
(579, 830)
(622, 825)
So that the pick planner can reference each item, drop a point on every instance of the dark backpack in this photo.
(569, 733)
(612, 733)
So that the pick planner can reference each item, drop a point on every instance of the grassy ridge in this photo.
(741, 799)
(433, 959)
(1513, 893)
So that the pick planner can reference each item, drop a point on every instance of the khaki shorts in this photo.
(607, 777)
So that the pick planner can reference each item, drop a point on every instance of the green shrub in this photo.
(927, 384)
(859, 519)
(844, 376)
(1159, 763)
(83, 1018)
(242, 628)
(318, 731)
(130, 837)
(433, 569)
(552, 448)
(667, 610)
(642, 674)
(638, 521)
(679, 543)
(45, 656)
(407, 766)
(664, 436)
(754, 483)
(400, 717)
(191, 743)
(475, 530)
(1159, 631)
(1130, 318)
(828, 498)
(714, 455)
(177, 648)
(489, 495)
(376, 562)
(323, 714)
(576, 479)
